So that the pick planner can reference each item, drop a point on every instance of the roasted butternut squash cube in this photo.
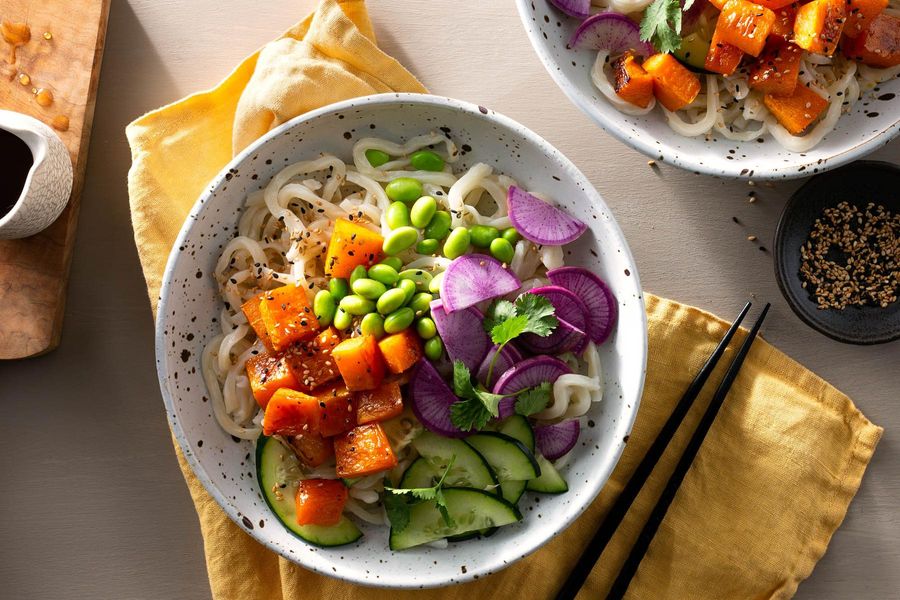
(312, 448)
(288, 317)
(381, 404)
(631, 82)
(359, 362)
(290, 412)
(400, 350)
(818, 25)
(776, 69)
(722, 57)
(797, 111)
(267, 374)
(878, 45)
(774, 5)
(860, 13)
(311, 362)
(673, 84)
(363, 450)
(251, 310)
(351, 245)
(338, 410)
(745, 25)
(320, 501)
(784, 22)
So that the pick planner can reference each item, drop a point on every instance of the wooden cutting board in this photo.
(62, 56)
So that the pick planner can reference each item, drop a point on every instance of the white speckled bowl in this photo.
(189, 307)
(871, 124)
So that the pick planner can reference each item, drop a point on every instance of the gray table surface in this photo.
(93, 503)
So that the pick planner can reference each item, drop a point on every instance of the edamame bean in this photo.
(429, 246)
(342, 320)
(377, 158)
(426, 328)
(408, 286)
(357, 273)
(393, 262)
(338, 288)
(399, 320)
(403, 189)
(324, 307)
(357, 305)
(417, 276)
(502, 250)
(385, 274)
(368, 288)
(421, 302)
(426, 160)
(391, 300)
(422, 211)
(397, 215)
(435, 286)
(457, 243)
(372, 324)
(511, 235)
(434, 348)
(439, 226)
(399, 240)
(483, 235)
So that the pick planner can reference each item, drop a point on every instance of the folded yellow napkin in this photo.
(764, 496)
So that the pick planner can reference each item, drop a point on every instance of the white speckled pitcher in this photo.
(49, 181)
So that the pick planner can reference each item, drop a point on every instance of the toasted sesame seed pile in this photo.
(852, 257)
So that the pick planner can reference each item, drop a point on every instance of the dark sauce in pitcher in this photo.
(15, 163)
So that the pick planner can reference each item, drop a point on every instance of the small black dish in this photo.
(858, 183)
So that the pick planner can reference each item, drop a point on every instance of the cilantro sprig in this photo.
(399, 501)
(661, 25)
(505, 321)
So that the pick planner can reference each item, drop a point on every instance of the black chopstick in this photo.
(620, 585)
(595, 547)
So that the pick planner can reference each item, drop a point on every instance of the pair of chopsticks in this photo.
(616, 514)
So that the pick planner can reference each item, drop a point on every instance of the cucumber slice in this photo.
(550, 481)
(519, 428)
(278, 472)
(512, 490)
(470, 510)
(469, 468)
(507, 456)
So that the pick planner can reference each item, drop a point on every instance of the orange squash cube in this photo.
(631, 82)
(320, 501)
(745, 25)
(774, 5)
(400, 350)
(291, 413)
(267, 374)
(818, 25)
(381, 404)
(797, 111)
(287, 315)
(351, 245)
(878, 45)
(338, 411)
(860, 13)
(722, 57)
(784, 22)
(312, 448)
(360, 363)
(362, 451)
(311, 362)
(673, 84)
(776, 69)
(251, 310)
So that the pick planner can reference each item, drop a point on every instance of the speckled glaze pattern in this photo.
(873, 122)
(49, 182)
(189, 308)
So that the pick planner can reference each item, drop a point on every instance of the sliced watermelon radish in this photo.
(540, 222)
(571, 313)
(575, 8)
(508, 357)
(602, 308)
(431, 400)
(610, 31)
(462, 332)
(527, 374)
(473, 278)
(556, 440)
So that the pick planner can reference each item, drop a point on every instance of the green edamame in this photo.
(439, 226)
(356, 305)
(435, 286)
(422, 211)
(429, 246)
(391, 300)
(372, 324)
(511, 235)
(434, 348)
(399, 240)
(426, 328)
(324, 307)
(403, 189)
(393, 262)
(426, 160)
(338, 288)
(457, 243)
(421, 302)
(377, 158)
(408, 286)
(358, 272)
(417, 276)
(368, 288)
(385, 274)
(342, 320)
(502, 250)
(399, 320)
(483, 235)
(397, 215)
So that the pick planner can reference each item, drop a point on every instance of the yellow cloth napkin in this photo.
(756, 511)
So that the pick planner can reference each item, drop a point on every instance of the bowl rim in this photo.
(499, 562)
(725, 169)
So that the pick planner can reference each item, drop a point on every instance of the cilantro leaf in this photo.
(498, 311)
(490, 401)
(476, 405)
(469, 414)
(539, 312)
(661, 24)
(462, 380)
(533, 399)
(397, 505)
(397, 509)
(509, 329)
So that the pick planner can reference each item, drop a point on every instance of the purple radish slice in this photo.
(527, 374)
(574, 8)
(509, 356)
(610, 31)
(540, 222)
(571, 333)
(431, 400)
(566, 305)
(602, 308)
(556, 440)
(462, 332)
(473, 278)
(566, 337)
